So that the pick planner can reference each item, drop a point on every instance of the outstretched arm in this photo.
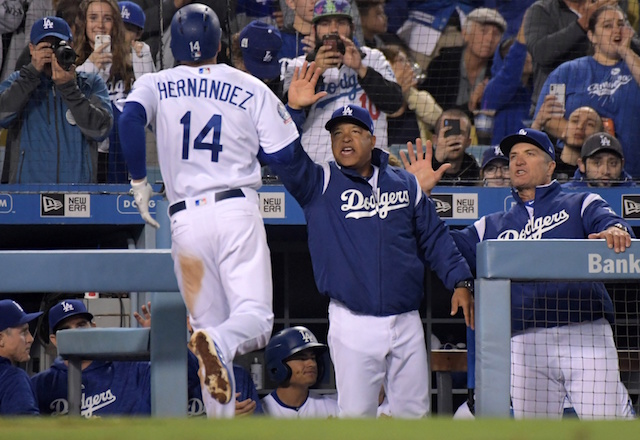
(420, 165)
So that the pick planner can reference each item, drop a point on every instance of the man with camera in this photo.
(55, 116)
(351, 75)
(452, 138)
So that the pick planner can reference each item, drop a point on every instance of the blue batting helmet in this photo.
(286, 343)
(195, 33)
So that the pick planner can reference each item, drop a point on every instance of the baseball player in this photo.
(294, 362)
(16, 394)
(108, 388)
(361, 215)
(562, 346)
(211, 122)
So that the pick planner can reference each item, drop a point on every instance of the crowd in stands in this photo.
(507, 65)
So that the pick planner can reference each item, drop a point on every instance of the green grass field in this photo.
(264, 428)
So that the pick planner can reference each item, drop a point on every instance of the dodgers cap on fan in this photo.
(488, 16)
(66, 309)
(493, 154)
(331, 8)
(260, 43)
(601, 141)
(528, 136)
(13, 315)
(50, 26)
(132, 13)
(351, 113)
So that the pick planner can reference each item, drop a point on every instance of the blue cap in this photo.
(132, 13)
(50, 26)
(13, 315)
(351, 113)
(260, 43)
(492, 154)
(66, 309)
(528, 136)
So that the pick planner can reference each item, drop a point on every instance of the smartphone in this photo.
(558, 90)
(455, 127)
(102, 39)
(336, 43)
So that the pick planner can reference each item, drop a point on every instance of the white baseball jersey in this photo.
(211, 144)
(318, 406)
(342, 88)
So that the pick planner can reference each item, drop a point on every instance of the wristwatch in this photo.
(621, 226)
(466, 283)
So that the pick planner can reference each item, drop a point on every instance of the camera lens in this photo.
(65, 55)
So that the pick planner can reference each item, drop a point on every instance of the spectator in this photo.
(360, 76)
(608, 82)
(495, 168)
(458, 76)
(55, 116)
(109, 388)
(582, 123)
(267, 12)
(556, 32)
(419, 112)
(372, 214)
(16, 393)
(133, 18)
(374, 22)
(295, 363)
(118, 63)
(298, 38)
(256, 50)
(601, 164)
(508, 92)
(12, 13)
(453, 130)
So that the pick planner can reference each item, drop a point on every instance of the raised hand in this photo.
(302, 91)
(420, 165)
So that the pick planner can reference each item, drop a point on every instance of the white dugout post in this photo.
(500, 261)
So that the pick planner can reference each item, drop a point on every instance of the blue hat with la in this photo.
(132, 13)
(353, 114)
(13, 315)
(528, 136)
(492, 154)
(66, 309)
(50, 26)
(260, 43)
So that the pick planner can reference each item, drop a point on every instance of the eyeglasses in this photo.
(491, 169)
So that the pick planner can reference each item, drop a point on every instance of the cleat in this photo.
(214, 374)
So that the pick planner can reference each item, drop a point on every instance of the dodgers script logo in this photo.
(89, 404)
(608, 88)
(360, 206)
(536, 227)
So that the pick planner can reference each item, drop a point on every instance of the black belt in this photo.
(222, 195)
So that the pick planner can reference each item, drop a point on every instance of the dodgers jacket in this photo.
(53, 130)
(16, 393)
(369, 248)
(556, 214)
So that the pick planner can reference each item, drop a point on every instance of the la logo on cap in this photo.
(267, 57)
(604, 141)
(66, 307)
(18, 306)
(523, 131)
(347, 111)
(125, 12)
(47, 24)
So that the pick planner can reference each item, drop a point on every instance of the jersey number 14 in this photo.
(215, 124)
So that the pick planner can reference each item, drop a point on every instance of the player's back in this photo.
(210, 122)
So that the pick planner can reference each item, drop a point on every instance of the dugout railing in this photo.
(499, 262)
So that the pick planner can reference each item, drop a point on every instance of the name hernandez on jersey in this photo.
(205, 88)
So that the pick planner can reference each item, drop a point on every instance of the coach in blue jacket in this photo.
(371, 233)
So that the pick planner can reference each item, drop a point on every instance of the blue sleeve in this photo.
(246, 387)
(466, 240)
(505, 84)
(298, 173)
(298, 116)
(16, 394)
(132, 122)
(437, 246)
(599, 216)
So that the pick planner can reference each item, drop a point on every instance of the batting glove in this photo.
(142, 193)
